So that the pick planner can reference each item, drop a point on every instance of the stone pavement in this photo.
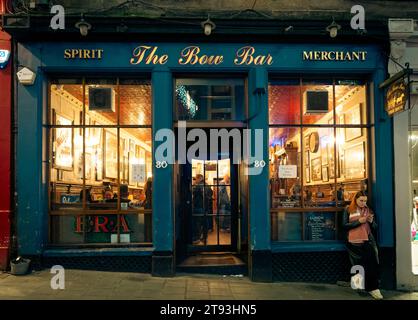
(95, 285)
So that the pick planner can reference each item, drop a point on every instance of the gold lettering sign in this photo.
(246, 56)
(191, 55)
(83, 54)
(334, 55)
(148, 55)
(396, 98)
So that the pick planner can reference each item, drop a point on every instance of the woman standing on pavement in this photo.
(360, 223)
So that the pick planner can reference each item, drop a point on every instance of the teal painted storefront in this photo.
(47, 59)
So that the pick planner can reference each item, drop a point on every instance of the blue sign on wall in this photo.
(4, 58)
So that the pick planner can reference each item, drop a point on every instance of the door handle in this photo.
(187, 202)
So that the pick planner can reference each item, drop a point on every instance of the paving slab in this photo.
(95, 285)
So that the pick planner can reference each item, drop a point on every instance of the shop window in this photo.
(286, 226)
(284, 102)
(292, 226)
(317, 165)
(317, 98)
(285, 174)
(350, 103)
(135, 99)
(101, 101)
(101, 168)
(210, 99)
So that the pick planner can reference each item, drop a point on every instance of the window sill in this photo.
(98, 252)
(307, 247)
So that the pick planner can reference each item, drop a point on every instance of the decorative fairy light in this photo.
(185, 98)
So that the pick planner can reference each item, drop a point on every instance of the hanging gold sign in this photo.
(396, 97)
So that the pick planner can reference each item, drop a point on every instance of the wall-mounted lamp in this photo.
(122, 28)
(333, 29)
(288, 29)
(83, 26)
(26, 76)
(208, 26)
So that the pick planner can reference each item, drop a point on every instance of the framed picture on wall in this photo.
(324, 150)
(354, 160)
(353, 117)
(316, 169)
(125, 170)
(334, 166)
(307, 174)
(306, 158)
(63, 143)
(110, 155)
(142, 162)
(60, 175)
(88, 166)
(99, 154)
(88, 129)
(306, 142)
(325, 177)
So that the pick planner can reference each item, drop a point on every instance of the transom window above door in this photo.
(210, 99)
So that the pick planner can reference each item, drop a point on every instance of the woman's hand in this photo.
(362, 220)
(370, 218)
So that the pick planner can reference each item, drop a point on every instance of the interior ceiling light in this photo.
(333, 29)
(83, 26)
(208, 26)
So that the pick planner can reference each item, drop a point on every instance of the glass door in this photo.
(211, 203)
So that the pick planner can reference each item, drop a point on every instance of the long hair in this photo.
(353, 205)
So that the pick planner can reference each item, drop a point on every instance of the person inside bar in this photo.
(224, 204)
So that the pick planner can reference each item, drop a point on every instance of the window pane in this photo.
(354, 163)
(101, 229)
(284, 102)
(286, 226)
(210, 99)
(135, 102)
(110, 154)
(317, 102)
(94, 155)
(65, 196)
(89, 156)
(135, 228)
(225, 230)
(319, 166)
(67, 229)
(285, 164)
(198, 235)
(101, 101)
(66, 175)
(136, 166)
(320, 226)
(323, 164)
(66, 100)
(350, 102)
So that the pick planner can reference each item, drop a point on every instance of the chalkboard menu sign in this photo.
(320, 226)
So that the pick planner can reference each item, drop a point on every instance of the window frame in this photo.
(366, 124)
(49, 126)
